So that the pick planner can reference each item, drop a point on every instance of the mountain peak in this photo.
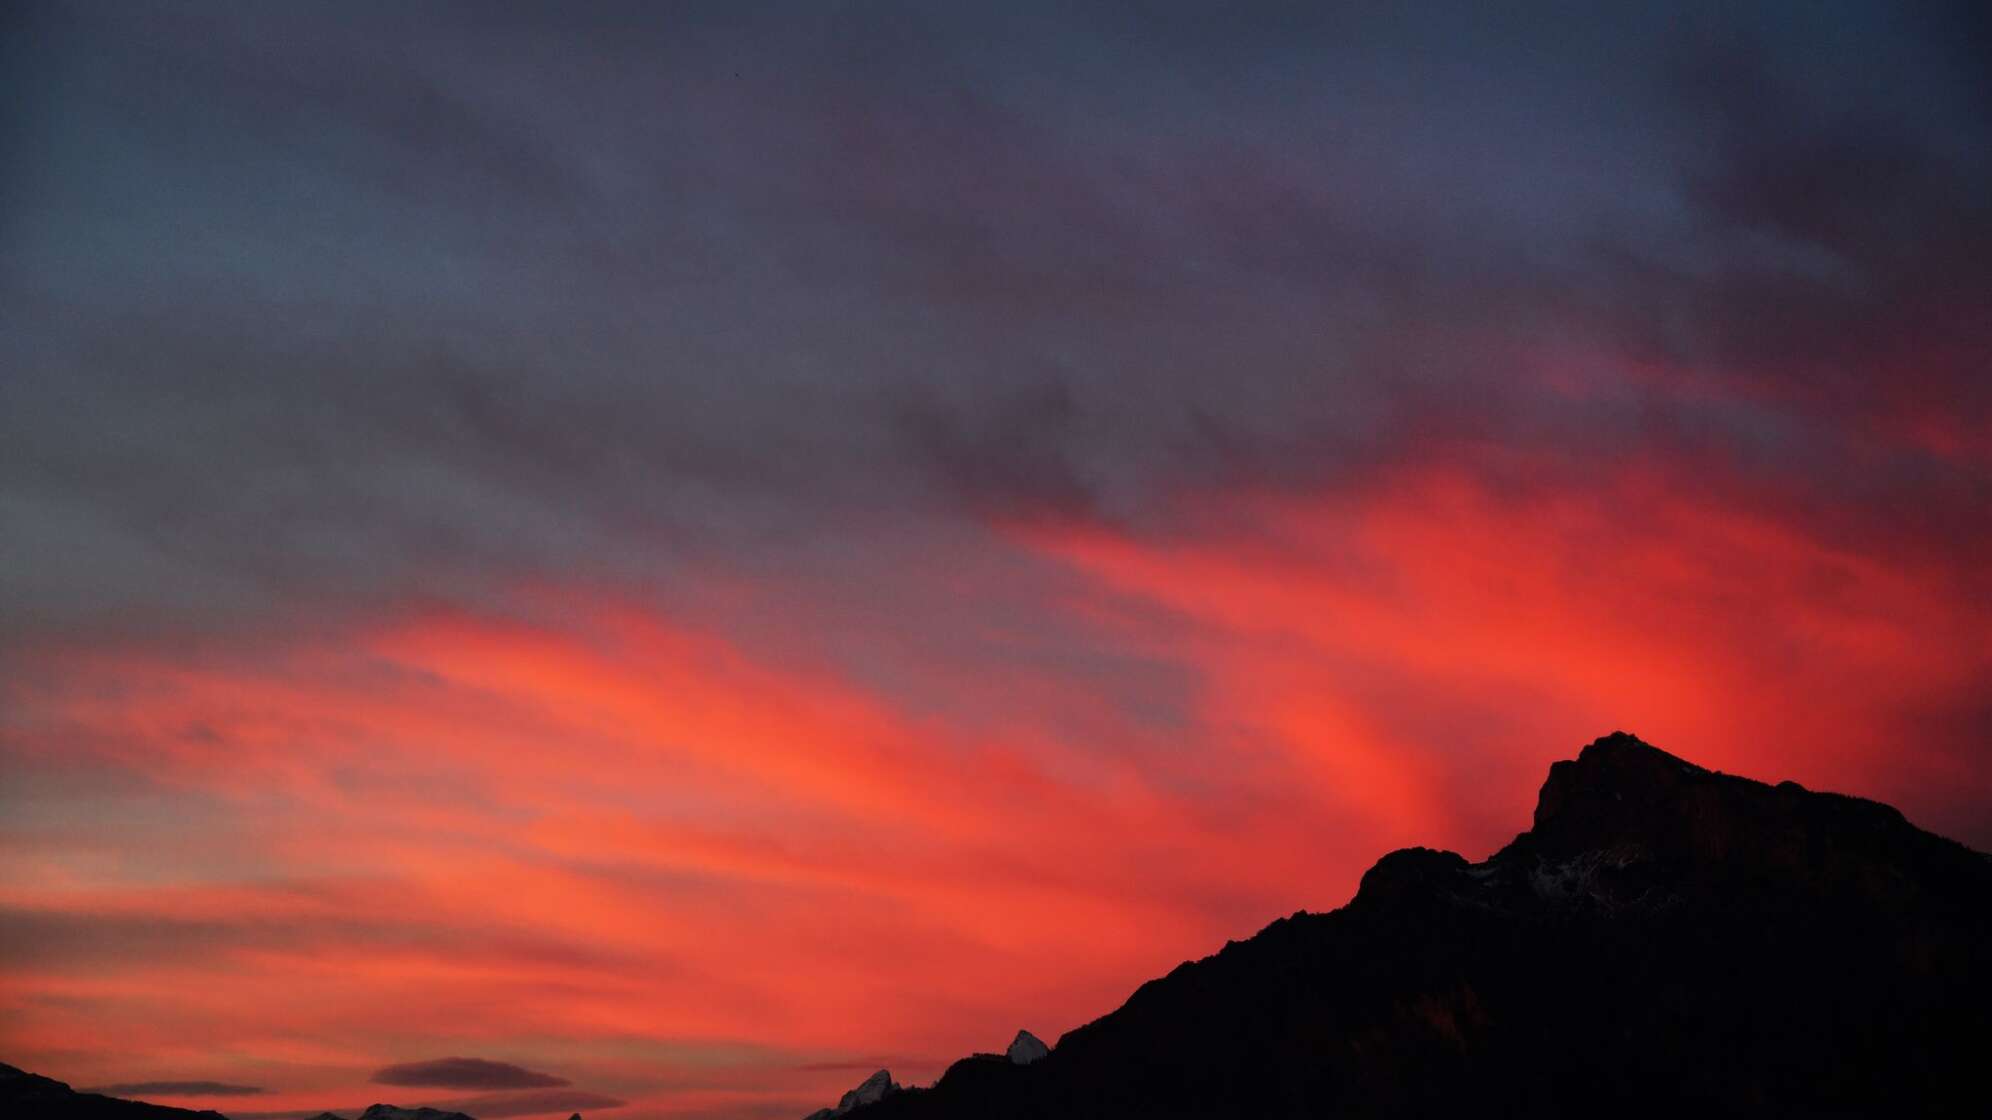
(873, 1087)
(1027, 1048)
(871, 1090)
(1664, 938)
(1702, 830)
(391, 1112)
(1613, 767)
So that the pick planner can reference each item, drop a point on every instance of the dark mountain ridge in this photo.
(1663, 939)
(30, 1096)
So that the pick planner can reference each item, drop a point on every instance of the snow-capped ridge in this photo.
(871, 1090)
(1027, 1048)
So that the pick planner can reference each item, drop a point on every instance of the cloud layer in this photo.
(499, 1106)
(466, 1073)
(321, 321)
(146, 1089)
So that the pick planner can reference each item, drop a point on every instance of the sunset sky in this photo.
(690, 552)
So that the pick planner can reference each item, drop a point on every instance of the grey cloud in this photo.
(852, 1065)
(466, 1073)
(324, 311)
(176, 1089)
(499, 1105)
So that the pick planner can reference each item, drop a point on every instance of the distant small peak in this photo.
(873, 1089)
(1027, 1048)
(393, 1112)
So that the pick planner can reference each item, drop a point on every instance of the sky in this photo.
(654, 559)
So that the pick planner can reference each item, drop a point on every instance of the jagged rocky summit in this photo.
(1023, 1050)
(1663, 941)
(390, 1112)
(1026, 1048)
(871, 1090)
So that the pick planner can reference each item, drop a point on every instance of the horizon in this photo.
(666, 559)
(530, 1093)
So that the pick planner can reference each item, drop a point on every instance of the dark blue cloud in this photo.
(497, 1106)
(319, 307)
(466, 1073)
(176, 1089)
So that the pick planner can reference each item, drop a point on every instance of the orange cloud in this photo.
(1388, 638)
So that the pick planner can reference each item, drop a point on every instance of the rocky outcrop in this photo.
(871, 1090)
(1025, 1049)
(1665, 940)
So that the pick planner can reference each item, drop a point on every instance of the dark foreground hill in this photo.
(28, 1096)
(1663, 941)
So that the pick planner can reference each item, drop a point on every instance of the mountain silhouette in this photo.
(1664, 940)
(33, 1097)
(395, 1112)
(390, 1112)
(29, 1096)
